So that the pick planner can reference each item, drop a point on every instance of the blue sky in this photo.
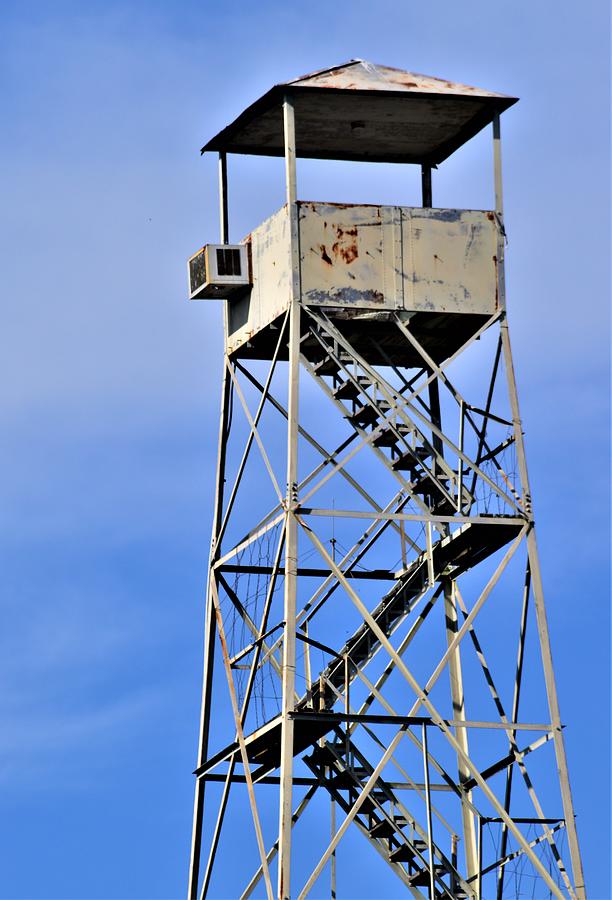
(109, 385)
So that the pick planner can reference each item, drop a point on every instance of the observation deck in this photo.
(365, 266)
(362, 265)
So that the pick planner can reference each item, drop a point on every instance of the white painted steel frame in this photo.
(291, 528)
(293, 516)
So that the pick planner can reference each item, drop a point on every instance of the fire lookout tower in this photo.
(377, 661)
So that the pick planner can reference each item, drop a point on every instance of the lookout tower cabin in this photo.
(362, 264)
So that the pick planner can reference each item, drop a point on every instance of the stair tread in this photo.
(402, 854)
(386, 439)
(365, 414)
(427, 485)
(346, 390)
(412, 458)
(385, 828)
(422, 876)
(326, 366)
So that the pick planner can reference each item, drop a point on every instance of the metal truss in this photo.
(359, 576)
(438, 493)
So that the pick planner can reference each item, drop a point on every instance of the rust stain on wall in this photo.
(325, 255)
(346, 245)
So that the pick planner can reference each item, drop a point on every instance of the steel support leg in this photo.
(291, 529)
(458, 699)
(209, 647)
(542, 624)
(532, 549)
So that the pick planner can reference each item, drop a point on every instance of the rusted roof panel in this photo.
(361, 111)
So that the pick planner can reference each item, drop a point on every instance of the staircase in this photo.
(379, 412)
(383, 819)
(450, 556)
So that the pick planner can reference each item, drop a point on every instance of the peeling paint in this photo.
(470, 242)
(325, 255)
(446, 215)
(352, 296)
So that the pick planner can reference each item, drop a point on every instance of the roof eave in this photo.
(222, 141)
(265, 102)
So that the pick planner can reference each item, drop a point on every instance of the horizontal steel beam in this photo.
(268, 779)
(411, 517)
(311, 782)
(526, 820)
(373, 574)
(375, 719)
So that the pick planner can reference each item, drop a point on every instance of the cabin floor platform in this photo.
(375, 336)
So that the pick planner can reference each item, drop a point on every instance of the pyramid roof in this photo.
(362, 111)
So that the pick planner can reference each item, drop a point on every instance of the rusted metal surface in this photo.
(378, 258)
(359, 75)
(363, 111)
(271, 276)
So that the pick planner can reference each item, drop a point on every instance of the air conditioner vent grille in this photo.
(228, 261)
(197, 272)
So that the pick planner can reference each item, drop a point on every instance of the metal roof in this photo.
(361, 111)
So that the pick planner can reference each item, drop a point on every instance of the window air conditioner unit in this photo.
(218, 270)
